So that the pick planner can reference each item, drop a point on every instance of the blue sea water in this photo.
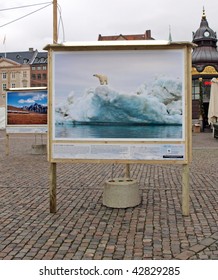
(118, 131)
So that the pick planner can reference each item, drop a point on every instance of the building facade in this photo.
(22, 69)
(13, 74)
(204, 68)
(38, 70)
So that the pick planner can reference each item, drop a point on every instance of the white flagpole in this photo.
(4, 43)
(55, 29)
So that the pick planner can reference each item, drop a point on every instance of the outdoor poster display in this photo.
(128, 103)
(26, 110)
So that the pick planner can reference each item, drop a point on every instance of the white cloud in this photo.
(29, 100)
(32, 99)
(39, 97)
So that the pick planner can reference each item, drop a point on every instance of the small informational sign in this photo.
(26, 110)
(120, 151)
(127, 102)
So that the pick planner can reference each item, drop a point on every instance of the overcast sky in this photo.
(84, 20)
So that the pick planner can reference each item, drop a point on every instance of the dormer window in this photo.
(25, 60)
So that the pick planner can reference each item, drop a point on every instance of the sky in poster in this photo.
(126, 70)
(20, 99)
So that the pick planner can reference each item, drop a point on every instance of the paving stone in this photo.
(215, 235)
(207, 241)
(83, 228)
(185, 255)
(197, 248)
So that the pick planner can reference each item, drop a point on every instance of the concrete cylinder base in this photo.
(121, 193)
(39, 149)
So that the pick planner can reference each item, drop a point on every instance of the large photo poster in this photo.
(128, 94)
(120, 103)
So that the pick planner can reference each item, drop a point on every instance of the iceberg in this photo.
(156, 102)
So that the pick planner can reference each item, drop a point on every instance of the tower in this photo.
(204, 67)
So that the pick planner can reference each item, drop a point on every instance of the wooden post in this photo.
(128, 170)
(7, 144)
(52, 187)
(53, 175)
(185, 190)
(55, 22)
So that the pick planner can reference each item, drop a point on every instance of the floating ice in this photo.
(157, 102)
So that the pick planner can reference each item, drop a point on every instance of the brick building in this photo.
(145, 36)
(38, 70)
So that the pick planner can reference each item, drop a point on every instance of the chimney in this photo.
(148, 34)
(30, 49)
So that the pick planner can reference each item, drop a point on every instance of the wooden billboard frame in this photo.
(127, 45)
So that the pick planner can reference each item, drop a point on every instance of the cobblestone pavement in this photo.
(83, 228)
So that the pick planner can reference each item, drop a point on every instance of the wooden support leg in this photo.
(185, 190)
(128, 170)
(52, 189)
(7, 145)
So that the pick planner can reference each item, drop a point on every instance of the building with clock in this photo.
(204, 68)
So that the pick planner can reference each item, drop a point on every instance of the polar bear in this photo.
(102, 79)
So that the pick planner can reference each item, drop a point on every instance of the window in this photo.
(25, 61)
(24, 83)
(13, 85)
(33, 68)
(205, 90)
(44, 67)
(24, 74)
(195, 89)
(38, 67)
(44, 76)
(4, 75)
(33, 76)
(4, 86)
(13, 75)
(39, 76)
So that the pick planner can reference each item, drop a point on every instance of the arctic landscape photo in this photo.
(119, 94)
(27, 108)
